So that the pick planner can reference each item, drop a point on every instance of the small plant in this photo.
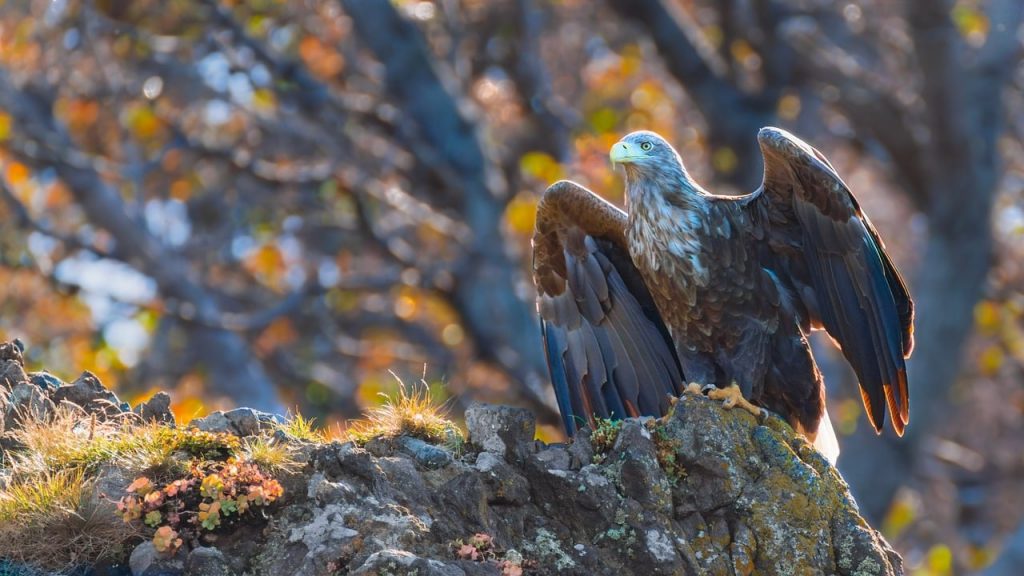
(302, 428)
(410, 413)
(603, 437)
(199, 443)
(211, 495)
(481, 548)
(665, 448)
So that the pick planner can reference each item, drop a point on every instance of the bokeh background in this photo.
(292, 204)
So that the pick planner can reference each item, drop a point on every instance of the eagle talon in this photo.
(694, 388)
(732, 397)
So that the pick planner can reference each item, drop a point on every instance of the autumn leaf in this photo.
(468, 552)
(209, 515)
(140, 486)
(211, 486)
(166, 540)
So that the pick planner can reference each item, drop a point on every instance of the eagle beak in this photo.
(623, 153)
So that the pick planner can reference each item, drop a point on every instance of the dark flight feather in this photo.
(608, 351)
(858, 294)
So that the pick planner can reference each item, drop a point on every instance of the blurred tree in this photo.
(272, 202)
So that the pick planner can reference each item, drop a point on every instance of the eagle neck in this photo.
(667, 217)
(664, 195)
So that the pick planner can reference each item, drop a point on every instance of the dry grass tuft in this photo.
(411, 412)
(71, 439)
(271, 455)
(55, 522)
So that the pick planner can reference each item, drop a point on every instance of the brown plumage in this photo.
(720, 289)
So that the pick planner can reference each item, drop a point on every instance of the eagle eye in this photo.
(646, 146)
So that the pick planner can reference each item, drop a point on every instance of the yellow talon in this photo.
(693, 388)
(732, 397)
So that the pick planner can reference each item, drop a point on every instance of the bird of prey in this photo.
(720, 289)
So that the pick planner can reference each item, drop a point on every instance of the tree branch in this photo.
(42, 141)
(501, 324)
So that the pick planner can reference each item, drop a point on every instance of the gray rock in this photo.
(240, 422)
(25, 400)
(204, 561)
(406, 481)
(213, 422)
(555, 458)
(502, 430)
(739, 497)
(156, 409)
(47, 382)
(634, 462)
(425, 454)
(326, 492)
(11, 373)
(146, 561)
(581, 450)
(88, 392)
(13, 351)
(248, 422)
(388, 562)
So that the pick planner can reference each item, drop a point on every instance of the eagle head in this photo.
(650, 163)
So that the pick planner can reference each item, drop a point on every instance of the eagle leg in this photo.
(732, 397)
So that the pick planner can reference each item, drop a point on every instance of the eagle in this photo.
(695, 292)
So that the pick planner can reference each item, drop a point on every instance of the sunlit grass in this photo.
(302, 428)
(71, 439)
(270, 454)
(409, 412)
(53, 522)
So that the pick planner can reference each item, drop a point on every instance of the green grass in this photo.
(302, 428)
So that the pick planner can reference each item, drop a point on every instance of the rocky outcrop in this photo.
(702, 491)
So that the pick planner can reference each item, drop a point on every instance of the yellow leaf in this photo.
(986, 316)
(940, 560)
(900, 516)
(5, 126)
(541, 166)
(991, 360)
(17, 173)
(724, 160)
(264, 100)
(521, 213)
(789, 107)
(279, 333)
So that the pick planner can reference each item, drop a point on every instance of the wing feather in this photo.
(609, 353)
(838, 264)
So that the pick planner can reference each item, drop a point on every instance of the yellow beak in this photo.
(623, 153)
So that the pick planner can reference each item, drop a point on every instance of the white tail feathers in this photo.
(826, 441)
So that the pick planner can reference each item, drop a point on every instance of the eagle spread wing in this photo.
(839, 268)
(608, 351)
